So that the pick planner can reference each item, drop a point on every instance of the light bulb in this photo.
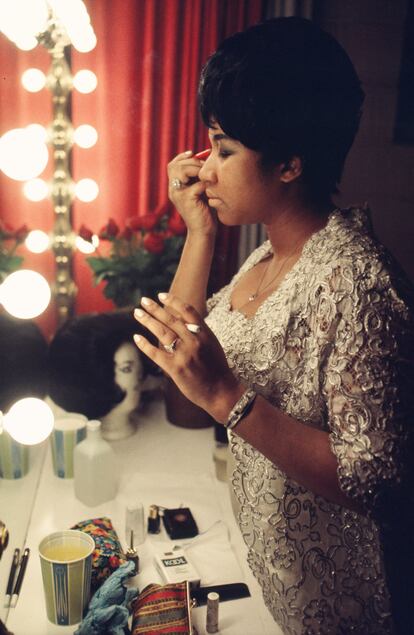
(37, 131)
(85, 81)
(29, 421)
(36, 189)
(23, 154)
(25, 294)
(26, 43)
(33, 80)
(86, 190)
(37, 241)
(86, 247)
(85, 42)
(22, 20)
(85, 136)
(73, 15)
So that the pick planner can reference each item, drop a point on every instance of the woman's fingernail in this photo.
(163, 296)
(139, 313)
(137, 339)
(188, 152)
(145, 301)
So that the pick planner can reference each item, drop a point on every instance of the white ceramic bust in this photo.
(119, 422)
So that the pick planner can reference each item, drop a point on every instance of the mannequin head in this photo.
(23, 354)
(95, 369)
(129, 376)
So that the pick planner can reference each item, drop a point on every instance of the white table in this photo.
(161, 464)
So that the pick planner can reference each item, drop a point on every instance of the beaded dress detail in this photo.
(328, 347)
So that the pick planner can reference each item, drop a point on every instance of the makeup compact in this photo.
(179, 523)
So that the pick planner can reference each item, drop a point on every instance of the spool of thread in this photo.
(132, 554)
(212, 612)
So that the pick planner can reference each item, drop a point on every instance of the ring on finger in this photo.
(193, 328)
(176, 184)
(170, 348)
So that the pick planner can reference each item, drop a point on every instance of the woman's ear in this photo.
(291, 170)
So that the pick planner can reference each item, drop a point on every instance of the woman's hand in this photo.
(189, 199)
(190, 354)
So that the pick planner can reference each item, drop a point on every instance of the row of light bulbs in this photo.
(23, 157)
(22, 20)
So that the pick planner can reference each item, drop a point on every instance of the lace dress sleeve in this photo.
(369, 390)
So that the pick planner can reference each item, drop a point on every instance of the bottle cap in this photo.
(93, 425)
(153, 511)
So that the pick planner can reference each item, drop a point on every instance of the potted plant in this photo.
(10, 239)
(137, 260)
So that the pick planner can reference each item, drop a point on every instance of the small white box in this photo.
(174, 566)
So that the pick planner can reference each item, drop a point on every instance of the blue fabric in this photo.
(110, 606)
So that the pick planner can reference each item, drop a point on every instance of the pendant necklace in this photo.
(260, 290)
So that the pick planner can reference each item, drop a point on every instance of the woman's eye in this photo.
(126, 369)
(224, 153)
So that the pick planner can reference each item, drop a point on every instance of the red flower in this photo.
(176, 225)
(110, 230)
(154, 243)
(146, 221)
(6, 229)
(127, 233)
(21, 233)
(85, 233)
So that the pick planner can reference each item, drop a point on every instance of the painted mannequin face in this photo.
(129, 374)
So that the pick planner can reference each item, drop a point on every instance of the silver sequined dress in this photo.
(327, 347)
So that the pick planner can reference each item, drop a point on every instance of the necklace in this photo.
(259, 289)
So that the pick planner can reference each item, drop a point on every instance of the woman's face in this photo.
(237, 187)
(129, 374)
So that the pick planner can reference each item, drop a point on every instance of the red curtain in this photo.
(147, 60)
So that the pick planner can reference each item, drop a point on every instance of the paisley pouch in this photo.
(108, 554)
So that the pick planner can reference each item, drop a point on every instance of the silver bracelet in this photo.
(240, 409)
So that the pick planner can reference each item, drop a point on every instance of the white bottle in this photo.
(94, 464)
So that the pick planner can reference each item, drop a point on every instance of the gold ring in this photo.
(176, 184)
(170, 348)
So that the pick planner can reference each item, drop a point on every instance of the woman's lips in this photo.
(211, 196)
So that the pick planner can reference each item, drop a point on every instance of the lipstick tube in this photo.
(203, 154)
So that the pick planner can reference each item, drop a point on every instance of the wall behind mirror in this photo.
(379, 170)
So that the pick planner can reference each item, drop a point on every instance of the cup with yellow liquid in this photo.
(66, 561)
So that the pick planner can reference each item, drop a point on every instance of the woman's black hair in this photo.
(23, 354)
(81, 362)
(286, 88)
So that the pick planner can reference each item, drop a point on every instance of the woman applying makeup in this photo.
(307, 355)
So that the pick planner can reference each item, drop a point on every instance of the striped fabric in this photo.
(162, 610)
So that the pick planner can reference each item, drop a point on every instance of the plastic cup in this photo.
(68, 431)
(66, 561)
(14, 457)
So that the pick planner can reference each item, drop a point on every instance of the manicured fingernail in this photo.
(137, 339)
(188, 152)
(163, 296)
(139, 313)
(145, 301)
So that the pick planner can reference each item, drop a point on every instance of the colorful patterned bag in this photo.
(108, 554)
(163, 610)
